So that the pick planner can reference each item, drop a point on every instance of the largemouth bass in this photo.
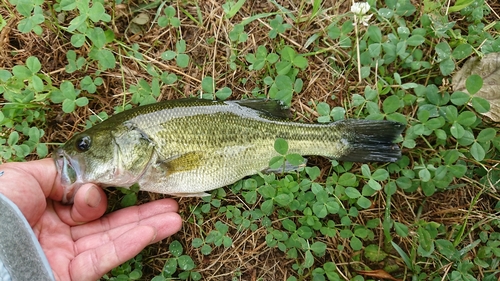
(189, 146)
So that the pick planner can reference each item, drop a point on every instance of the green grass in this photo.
(433, 215)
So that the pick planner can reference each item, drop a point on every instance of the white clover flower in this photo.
(360, 8)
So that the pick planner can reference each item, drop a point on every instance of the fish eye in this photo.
(83, 143)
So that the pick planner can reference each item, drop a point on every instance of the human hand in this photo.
(79, 243)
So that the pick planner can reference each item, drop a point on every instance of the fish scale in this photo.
(186, 147)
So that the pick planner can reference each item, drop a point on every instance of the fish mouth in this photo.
(69, 172)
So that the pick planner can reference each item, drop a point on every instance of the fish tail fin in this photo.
(372, 140)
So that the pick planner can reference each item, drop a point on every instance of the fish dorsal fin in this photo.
(271, 108)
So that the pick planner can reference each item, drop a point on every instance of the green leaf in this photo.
(443, 50)
(391, 104)
(81, 101)
(289, 225)
(375, 33)
(473, 84)
(462, 51)
(206, 249)
(404, 182)
(129, 200)
(352, 193)
(68, 106)
(460, 5)
(170, 267)
(21, 72)
(374, 185)
(404, 256)
(466, 118)
(364, 202)
(373, 253)
(97, 12)
(457, 131)
(424, 175)
(283, 199)
(446, 248)
(480, 105)
(380, 175)
(106, 59)
(318, 248)
(207, 85)
(308, 260)
(386, 13)
(477, 151)
(42, 150)
(415, 40)
(347, 179)
(356, 243)
(320, 210)
(77, 40)
(67, 5)
(281, 146)
(447, 66)
(180, 46)
(486, 135)
(426, 245)
(323, 109)
(37, 83)
(295, 159)
(175, 248)
(223, 93)
(168, 55)
(300, 62)
(460, 98)
(186, 262)
(276, 162)
(33, 64)
(182, 60)
(13, 138)
(197, 242)
(97, 36)
(401, 229)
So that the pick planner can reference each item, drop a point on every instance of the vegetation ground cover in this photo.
(433, 215)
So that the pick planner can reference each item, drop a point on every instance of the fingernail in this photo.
(93, 197)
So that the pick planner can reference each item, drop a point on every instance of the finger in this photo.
(27, 184)
(43, 171)
(94, 263)
(90, 204)
(125, 216)
(165, 225)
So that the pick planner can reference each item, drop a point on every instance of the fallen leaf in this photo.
(141, 19)
(378, 273)
(489, 69)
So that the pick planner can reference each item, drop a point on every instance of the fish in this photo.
(186, 147)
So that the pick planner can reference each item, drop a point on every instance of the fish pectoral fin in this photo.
(200, 194)
(288, 168)
(184, 162)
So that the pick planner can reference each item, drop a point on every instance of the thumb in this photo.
(90, 204)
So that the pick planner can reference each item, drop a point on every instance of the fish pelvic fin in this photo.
(180, 194)
(372, 140)
(287, 168)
